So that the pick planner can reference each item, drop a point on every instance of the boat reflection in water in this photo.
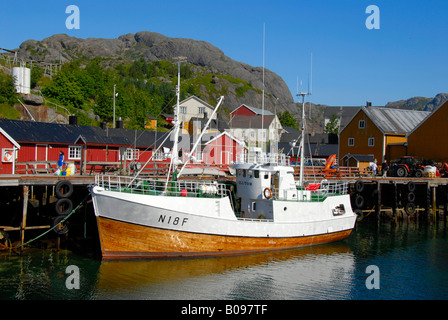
(318, 272)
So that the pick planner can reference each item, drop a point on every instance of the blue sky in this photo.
(406, 57)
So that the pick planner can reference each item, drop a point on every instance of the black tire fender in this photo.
(63, 189)
(359, 201)
(359, 214)
(410, 208)
(359, 186)
(60, 228)
(63, 206)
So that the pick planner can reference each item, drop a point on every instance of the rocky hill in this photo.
(420, 103)
(153, 46)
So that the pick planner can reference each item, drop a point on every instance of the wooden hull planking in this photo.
(122, 239)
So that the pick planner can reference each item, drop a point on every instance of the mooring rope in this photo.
(52, 228)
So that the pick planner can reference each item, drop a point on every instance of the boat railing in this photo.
(180, 188)
(335, 187)
(311, 192)
(263, 158)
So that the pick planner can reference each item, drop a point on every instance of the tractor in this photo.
(407, 166)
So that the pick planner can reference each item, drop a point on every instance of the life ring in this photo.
(269, 193)
(63, 206)
(7, 156)
(64, 189)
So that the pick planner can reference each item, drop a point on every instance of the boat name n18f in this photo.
(174, 221)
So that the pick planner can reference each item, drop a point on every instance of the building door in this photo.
(41, 155)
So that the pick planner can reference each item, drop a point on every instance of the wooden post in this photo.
(434, 203)
(378, 204)
(24, 215)
(395, 204)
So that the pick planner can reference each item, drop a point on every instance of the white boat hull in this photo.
(134, 224)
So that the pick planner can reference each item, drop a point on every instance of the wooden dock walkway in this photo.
(370, 195)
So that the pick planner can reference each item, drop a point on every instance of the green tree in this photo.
(7, 90)
(36, 74)
(65, 89)
(287, 120)
(333, 125)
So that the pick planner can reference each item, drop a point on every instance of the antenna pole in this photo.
(303, 94)
(262, 97)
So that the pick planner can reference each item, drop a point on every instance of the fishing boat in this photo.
(263, 209)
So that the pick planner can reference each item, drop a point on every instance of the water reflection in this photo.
(307, 273)
(411, 257)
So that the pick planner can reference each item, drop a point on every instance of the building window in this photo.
(132, 154)
(74, 152)
(351, 142)
(371, 142)
(183, 110)
(362, 124)
(201, 110)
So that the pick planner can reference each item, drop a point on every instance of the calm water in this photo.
(412, 261)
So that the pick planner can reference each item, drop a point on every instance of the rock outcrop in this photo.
(154, 46)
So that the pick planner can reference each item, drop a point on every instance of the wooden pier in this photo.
(399, 198)
(41, 194)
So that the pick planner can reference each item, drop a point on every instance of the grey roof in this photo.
(251, 121)
(257, 111)
(42, 132)
(398, 121)
(359, 157)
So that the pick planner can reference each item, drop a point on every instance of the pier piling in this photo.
(24, 215)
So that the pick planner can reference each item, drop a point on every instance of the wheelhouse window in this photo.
(74, 152)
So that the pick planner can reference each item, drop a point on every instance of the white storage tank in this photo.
(22, 79)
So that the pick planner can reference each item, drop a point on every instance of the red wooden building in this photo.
(245, 110)
(223, 149)
(36, 145)
(29, 147)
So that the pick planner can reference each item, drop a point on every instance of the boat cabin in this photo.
(257, 183)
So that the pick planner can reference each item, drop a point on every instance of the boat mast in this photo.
(175, 152)
(302, 143)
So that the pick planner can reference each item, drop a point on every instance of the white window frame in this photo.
(131, 154)
(371, 142)
(183, 110)
(74, 152)
(201, 110)
(351, 142)
(362, 124)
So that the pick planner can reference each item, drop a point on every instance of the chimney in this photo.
(368, 104)
(119, 124)
(73, 120)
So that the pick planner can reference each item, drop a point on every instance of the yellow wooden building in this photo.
(428, 139)
(373, 129)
